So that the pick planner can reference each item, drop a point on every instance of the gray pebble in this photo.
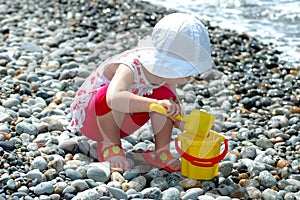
(90, 194)
(152, 193)
(8, 103)
(171, 194)
(39, 163)
(24, 127)
(130, 174)
(264, 143)
(73, 174)
(225, 168)
(271, 194)
(44, 188)
(69, 189)
(159, 182)
(249, 152)
(8, 144)
(191, 195)
(80, 185)
(36, 174)
(99, 172)
(138, 183)
(69, 146)
(117, 193)
(266, 179)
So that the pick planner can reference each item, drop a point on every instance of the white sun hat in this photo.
(179, 47)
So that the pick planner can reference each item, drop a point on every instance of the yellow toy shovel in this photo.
(197, 122)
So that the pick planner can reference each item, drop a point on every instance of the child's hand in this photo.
(173, 109)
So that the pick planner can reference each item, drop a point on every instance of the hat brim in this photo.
(168, 66)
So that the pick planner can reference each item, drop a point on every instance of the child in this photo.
(114, 101)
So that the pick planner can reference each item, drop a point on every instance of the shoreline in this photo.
(47, 49)
(287, 44)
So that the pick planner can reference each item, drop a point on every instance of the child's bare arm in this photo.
(120, 99)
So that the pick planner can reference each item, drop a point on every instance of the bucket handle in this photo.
(210, 162)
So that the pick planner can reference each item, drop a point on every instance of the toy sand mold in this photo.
(200, 146)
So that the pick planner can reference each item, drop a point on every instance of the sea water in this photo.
(270, 21)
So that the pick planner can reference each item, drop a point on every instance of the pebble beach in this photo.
(48, 49)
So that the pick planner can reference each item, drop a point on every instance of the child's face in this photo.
(179, 81)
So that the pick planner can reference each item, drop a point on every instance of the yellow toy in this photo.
(200, 146)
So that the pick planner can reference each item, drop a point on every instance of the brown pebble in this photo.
(243, 176)
(115, 169)
(278, 139)
(69, 157)
(277, 178)
(6, 135)
(40, 144)
(244, 110)
(283, 163)
(294, 72)
(242, 182)
(56, 191)
(57, 101)
(265, 86)
(26, 98)
(275, 70)
(16, 89)
(295, 110)
(48, 108)
(275, 188)
(237, 97)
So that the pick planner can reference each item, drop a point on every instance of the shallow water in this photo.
(272, 21)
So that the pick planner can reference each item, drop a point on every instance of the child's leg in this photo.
(162, 128)
(110, 132)
(107, 127)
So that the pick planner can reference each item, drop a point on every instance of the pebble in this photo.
(192, 195)
(266, 179)
(152, 193)
(91, 194)
(44, 188)
(80, 185)
(36, 176)
(189, 183)
(73, 174)
(130, 174)
(117, 193)
(39, 163)
(159, 182)
(24, 127)
(138, 183)
(225, 168)
(99, 171)
(172, 194)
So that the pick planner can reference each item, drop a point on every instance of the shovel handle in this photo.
(202, 162)
(162, 110)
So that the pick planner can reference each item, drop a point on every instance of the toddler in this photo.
(114, 100)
